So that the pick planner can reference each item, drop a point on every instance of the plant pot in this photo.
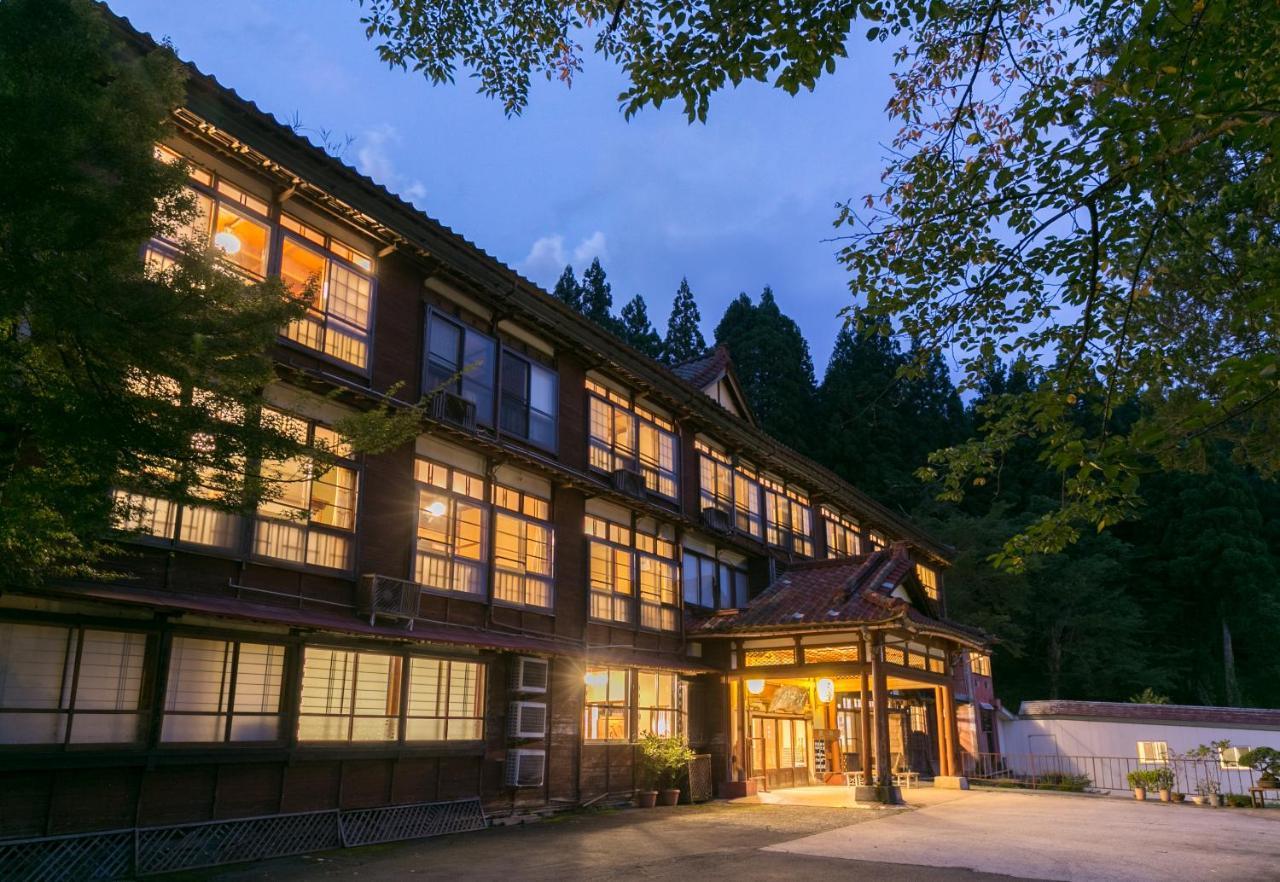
(1215, 799)
(1199, 800)
(1140, 794)
(1178, 797)
(1164, 794)
(647, 798)
(669, 797)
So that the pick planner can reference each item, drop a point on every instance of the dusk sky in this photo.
(741, 202)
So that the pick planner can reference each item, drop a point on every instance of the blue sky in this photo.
(740, 202)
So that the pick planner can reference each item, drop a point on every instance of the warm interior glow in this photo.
(826, 690)
(435, 509)
(228, 242)
(596, 679)
(755, 687)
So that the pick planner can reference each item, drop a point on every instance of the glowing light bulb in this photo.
(826, 690)
(228, 242)
(435, 509)
(755, 687)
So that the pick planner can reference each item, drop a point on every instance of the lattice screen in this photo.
(818, 654)
(894, 656)
(759, 658)
(55, 858)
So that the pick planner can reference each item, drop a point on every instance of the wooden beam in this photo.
(864, 721)
(880, 696)
(953, 731)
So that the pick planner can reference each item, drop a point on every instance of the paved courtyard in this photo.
(978, 836)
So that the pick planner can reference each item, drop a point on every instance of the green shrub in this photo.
(1162, 779)
(1064, 782)
(1148, 779)
(665, 758)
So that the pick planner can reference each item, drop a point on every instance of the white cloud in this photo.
(548, 256)
(589, 248)
(373, 157)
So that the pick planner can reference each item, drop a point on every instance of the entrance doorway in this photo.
(780, 750)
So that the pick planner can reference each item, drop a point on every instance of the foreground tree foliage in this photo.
(112, 373)
(1088, 185)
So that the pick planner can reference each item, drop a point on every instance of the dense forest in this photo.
(1183, 601)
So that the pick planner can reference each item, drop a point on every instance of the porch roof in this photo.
(826, 595)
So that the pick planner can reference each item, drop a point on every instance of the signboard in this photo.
(789, 700)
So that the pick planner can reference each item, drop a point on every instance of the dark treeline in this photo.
(1184, 600)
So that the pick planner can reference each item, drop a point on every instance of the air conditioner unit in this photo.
(525, 767)
(717, 519)
(629, 482)
(527, 719)
(529, 674)
(454, 409)
(389, 598)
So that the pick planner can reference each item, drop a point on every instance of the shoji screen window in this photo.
(623, 434)
(611, 576)
(452, 529)
(522, 548)
(222, 691)
(715, 472)
(337, 282)
(746, 500)
(657, 567)
(64, 685)
(842, 534)
(446, 700)
(788, 521)
(311, 517)
(349, 696)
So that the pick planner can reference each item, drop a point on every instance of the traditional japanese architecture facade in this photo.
(581, 546)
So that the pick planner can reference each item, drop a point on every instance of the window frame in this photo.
(639, 546)
(347, 461)
(484, 560)
(641, 420)
(458, 376)
(499, 510)
(632, 710)
(1154, 753)
(231, 682)
(778, 497)
(719, 593)
(843, 534)
(531, 365)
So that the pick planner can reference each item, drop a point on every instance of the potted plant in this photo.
(1205, 757)
(1265, 761)
(1139, 779)
(1162, 780)
(665, 758)
(1207, 793)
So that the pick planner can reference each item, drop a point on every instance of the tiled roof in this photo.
(701, 371)
(833, 593)
(1258, 717)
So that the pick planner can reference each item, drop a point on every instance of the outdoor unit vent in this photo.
(529, 674)
(450, 408)
(716, 519)
(525, 767)
(389, 598)
(629, 482)
(527, 719)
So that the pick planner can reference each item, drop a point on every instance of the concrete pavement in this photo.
(1061, 837)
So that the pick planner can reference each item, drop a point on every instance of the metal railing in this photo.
(1064, 772)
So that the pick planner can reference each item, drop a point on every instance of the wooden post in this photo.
(880, 695)
(953, 732)
(864, 721)
(944, 765)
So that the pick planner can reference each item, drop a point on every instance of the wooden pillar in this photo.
(864, 721)
(944, 755)
(880, 696)
(953, 731)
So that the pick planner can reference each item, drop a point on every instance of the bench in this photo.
(1257, 795)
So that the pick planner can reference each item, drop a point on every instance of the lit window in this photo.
(228, 219)
(658, 580)
(611, 570)
(876, 539)
(528, 400)
(337, 281)
(312, 515)
(788, 520)
(623, 560)
(715, 471)
(220, 690)
(625, 435)
(746, 500)
(928, 578)
(658, 704)
(522, 543)
(980, 664)
(842, 534)
(761, 658)
(452, 529)
(446, 700)
(1153, 752)
(349, 696)
(607, 709)
(70, 685)
(461, 361)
